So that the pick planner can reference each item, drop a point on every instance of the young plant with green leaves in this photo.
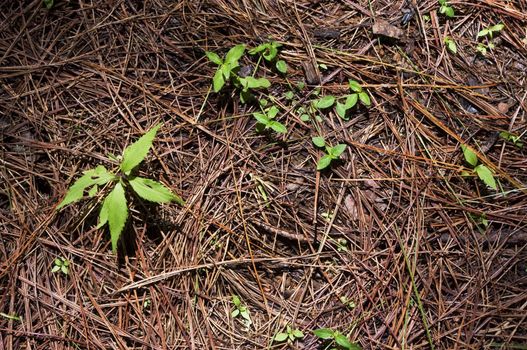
(446, 9)
(514, 139)
(481, 170)
(269, 51)
(358, 94)
(114, 209)
(61, 264)
(240, 310)
(266, 120)
(336, 339)
(488, 34)
(450, 44)
(290, 335)
(227, 67)
(332, 153)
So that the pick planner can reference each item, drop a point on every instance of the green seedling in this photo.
(446, 9)
(328, 216)
(332, 153)
(450, 44)
(491, 31)
(358, 94)
(349, 303)
(342, 245)
(290, 335)
(324, 102)
(62, 265)
(226, 68)
(337, 339)
(114, 209)
(246, 84)
(269, 52)
(266, 120)
(289, 95)
(240, 310)
(48, 3)
(514, 139)
(481, 170)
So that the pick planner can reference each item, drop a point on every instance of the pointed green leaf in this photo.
(483, 32)
(214, 58)
(365, 98)
(235, 53)
(343, 341)
(355, 86)
(485, 174)
(235, 313)
(97, 176)
(117, 213)
(280, 337)
(137, 151)
(341, 110)
(470, 156)
(324, 102)
(261, 118)
(323, 333)
(272, 112)
(259, 48)
(281, 66)
(297, 333)
(277, 126)
(351, 100)
(64, 269)
(318, 141)
(218, 81)
(497, 28)
(337, 150)
(154, 191)
(324, 162)
(56, 268)
(103, 213)
(255, 83)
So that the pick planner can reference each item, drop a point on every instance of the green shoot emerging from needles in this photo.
(240, 310)
(445, 9)
(290, 335)
(332, 153)
(450, 44)
(266, 120)
(114, 209)
(269, 52)
(514, 139)
(488, 33)
(483, 172)
(336, 337)
(227, 67)
(61, 264)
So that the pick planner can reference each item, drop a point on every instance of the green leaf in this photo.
(324, 333)
(98, 176)
(214, 58)
(259, 48)
(281, 66)
(103, 213)
(280, 337)
(497, 28)
(271, 52)
(154, 191)
(261, 118)
(236, 300)
(245, 314)
(355, 86)
(55, 268)
(343, 341)
(235, 313)
(234, 54)
(277, 126)
(93, 191)
(254, 83)
(58, 261)
(218, 81)
(117, 213)
(64, 269)
(289, 95)
(485, 174)
(470, 156)
(351, 100)
(297, 333)
(451, 45)
(337, 150)
(318, 141)
(305, 117)
(483, 32)
(364, 98)
(341, 110)
(137, 151)
(324, 102)
(49, 4)
(324, 162)
(272, 112)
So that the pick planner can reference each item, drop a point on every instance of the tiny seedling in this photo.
(491, 31)
(114, 209)
(446, 9)
(342, 245)
(332, 153)
(240, 310)
(266, 120)
(451, 44)
(341, 341)
(324, 102)
(349, 303)
(328, 216)
(514, 139)
(269, 52)
(49, 3)
(62, 265)
(358, 94)
(290, 335)
(481, 170)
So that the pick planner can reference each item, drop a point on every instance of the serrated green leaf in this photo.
(469, 155)
(341, 110)
(98, 176)
(280, 337)
(281, 66)
(324, 162)
(485, 174)
(272, 112)
(261, 118)
(234, 54)
(365, 98)
(318, 141)
(277, 126)
(218, 81)
(351, 100)
(137, 151)
(117, 213)
(154, 191)
(324, 333)
(214, 58)
(337, 150)
(324, 102)
(355, 86)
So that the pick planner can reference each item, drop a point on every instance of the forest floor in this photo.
(414, 236)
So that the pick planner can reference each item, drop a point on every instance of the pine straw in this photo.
(84, 80)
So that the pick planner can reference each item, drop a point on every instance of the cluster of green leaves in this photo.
(332, 153)
(290, 335)
(269, 52)
(266, 120)
(446, 9)
(481, 170)
(450, 44)
(514, 139)
(489, 34)
(350, 100)
(114, 209)
(227, 67)
(49, 3)
(341, 341)
(61, 264)
(240, 310)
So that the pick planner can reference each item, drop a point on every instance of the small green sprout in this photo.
(324, 102)
(358, 94)
(336, 337)
(289, 95)
(514, 139)
(450, 44)
(332, 153)
(445, 9)
(342, 245)
(491, 31)
(483, 172)
(114, 209)
(269, 52)
(266, 120)
(61, 264)
(48, 3)
(290, 335)
(240, 310)
(227, 67)
(328, 216)
(349, 303)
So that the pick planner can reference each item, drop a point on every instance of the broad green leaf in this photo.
(234, 54)
(58, 261)
(324, 162)
(226, 69)
(263, 102)
(154, 191)
(289, 95)
(254, 83)
(117, 213)
(137, 151)
(64, 269)
(281, 66)
(355, 86)
(341, 110)
(245, 314)
(261, 118)
(305, 117)
(272, 112)
(470, 156)
(270, 53)
(214, 58)
(236, 300)
(497, 28)
(235, 313)
(324, 102)
(218, 80)
(485, 174)
(297, 333)
(98, 176)
(259, 48)
(280, 337)
(337, 150)
(324, 333)
(364, 98)
(277, 126)
(483, 32)
(351, 100)
(318, 141)
(343, 341)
